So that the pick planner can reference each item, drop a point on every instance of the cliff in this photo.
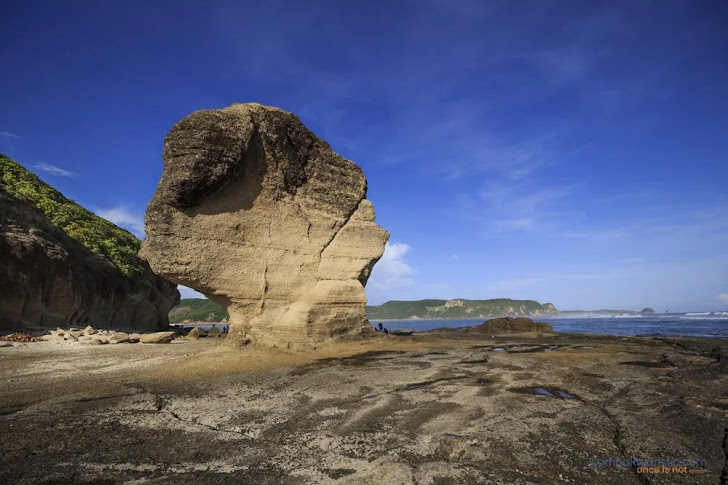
(61, 265)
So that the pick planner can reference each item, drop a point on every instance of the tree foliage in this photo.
(98, 235)
(197, 310)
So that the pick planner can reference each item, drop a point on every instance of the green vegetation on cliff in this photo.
(197, 310)
(98, 235)
(459, 308)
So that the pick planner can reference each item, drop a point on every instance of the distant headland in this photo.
(458, 308)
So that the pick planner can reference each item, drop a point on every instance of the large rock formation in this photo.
(49, 278)
(260, 215)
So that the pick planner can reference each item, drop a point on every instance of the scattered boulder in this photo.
(512, 325)
(265, 219)
(214, 332)
(119, 338)
(61, 273)
(158, 337)
(89, 330)
(196, 333)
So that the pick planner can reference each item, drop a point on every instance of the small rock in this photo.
(96, 341)
(119, 338)
(89, 330)
(196, 333)
(214, 332)
(134, 337)
(157, 338)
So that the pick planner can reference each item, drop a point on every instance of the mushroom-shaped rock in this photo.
(260, 215)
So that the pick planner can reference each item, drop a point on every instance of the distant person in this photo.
(381, 328)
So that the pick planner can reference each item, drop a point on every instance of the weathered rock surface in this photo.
(260, 215)
(49, 279)
(512, 325)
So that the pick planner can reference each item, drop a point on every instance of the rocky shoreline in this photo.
(431, 408)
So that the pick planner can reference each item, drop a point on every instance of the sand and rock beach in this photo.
(435, 407)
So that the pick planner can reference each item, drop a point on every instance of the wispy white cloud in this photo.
(522, 205)
(392, 270)
(8, 135)
(722, 299)
(549, 279)
(53, 170)
(123, 217)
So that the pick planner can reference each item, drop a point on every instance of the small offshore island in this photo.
(274, 227)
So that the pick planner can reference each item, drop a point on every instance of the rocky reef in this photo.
(64, 266)
(260, 215)
(440, 407)
(507, 325)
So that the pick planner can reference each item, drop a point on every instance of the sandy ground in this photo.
(434, 408)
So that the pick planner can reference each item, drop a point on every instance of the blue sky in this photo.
(563, 151)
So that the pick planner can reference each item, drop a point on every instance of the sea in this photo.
(691, 324)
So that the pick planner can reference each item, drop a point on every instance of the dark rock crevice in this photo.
(724, 472)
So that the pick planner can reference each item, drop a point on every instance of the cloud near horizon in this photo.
(393, 270)
(186, 292)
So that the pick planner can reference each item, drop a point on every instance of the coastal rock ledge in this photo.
(261, 216)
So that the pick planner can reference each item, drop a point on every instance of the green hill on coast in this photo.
(459, 308)
(197, 310)
(203, 310)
